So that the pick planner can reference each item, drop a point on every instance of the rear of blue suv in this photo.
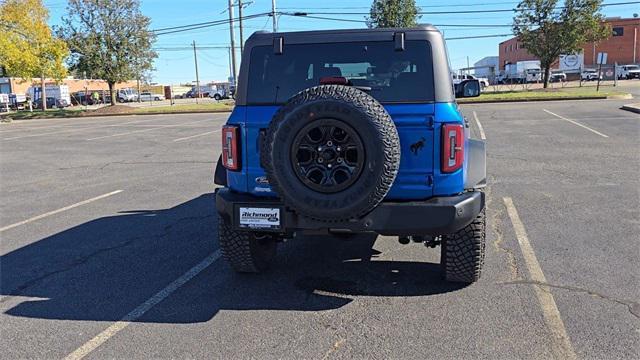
(350, 131)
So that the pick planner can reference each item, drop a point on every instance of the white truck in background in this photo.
(484, 82)
(59, 94)
(631, 71)
(127, 95)
(521, 72)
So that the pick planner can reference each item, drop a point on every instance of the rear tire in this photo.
(462, 253)
(245, 251)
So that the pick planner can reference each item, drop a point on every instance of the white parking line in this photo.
(51, 133)
(195, 136)
(560, 340)
(23, 128)
(81, 129)
(59, 210)
(575, 123)
(144, 130)
(482, 135)
(124, 133)
(136, 313)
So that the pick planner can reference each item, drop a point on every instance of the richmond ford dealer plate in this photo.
(259, 218)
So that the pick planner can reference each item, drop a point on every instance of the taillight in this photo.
(452, 147)
(231, 147)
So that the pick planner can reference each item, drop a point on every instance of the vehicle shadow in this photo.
(102, 269)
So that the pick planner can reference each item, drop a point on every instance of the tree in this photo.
(28, 48)
(548, 31)
(109, 40)
(393, 13)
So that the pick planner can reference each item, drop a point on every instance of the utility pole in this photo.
(230, 65)
(273, 15)
(468, 65)
(233, 46)
(195, 58)
(240, 23)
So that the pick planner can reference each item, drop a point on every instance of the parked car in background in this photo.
(180, 95)
(62, 103)
(219, 94)
(52, 103)
(484, 82)
(629, 72)
(17, 101)
(557, 76)
(147, 96)
(127, 95)
(86, 98)
(590, 75)
(192, 93)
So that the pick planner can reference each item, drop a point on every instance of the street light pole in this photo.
(195, 58)
(240, 23)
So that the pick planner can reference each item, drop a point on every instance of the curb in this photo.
(8, 117)
(635, 108)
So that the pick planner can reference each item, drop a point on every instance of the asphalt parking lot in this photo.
(109, 250)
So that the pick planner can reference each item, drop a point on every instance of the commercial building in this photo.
(622, 46)
(487, 67)
(14, 85)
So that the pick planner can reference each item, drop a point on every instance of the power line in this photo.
(364, 21)
(183, 48)
(420, 6)
(477, 37)
(313, 15)
(188, 27)
(463, 11)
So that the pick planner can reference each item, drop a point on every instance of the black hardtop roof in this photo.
(426, 32)
(331, 34)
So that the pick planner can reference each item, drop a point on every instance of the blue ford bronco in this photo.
(349, 131)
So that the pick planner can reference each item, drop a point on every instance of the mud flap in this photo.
(220, 176)
(476, 165)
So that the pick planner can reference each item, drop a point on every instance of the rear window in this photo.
(389, 76)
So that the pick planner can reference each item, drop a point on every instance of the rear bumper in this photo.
(435, 216)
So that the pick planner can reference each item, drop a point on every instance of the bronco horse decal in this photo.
(417, 146)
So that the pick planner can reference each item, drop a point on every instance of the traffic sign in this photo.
(602, 58)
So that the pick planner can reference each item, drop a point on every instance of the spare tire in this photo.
(331, 153)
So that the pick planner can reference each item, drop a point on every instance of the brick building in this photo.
(622, 47)
(21, 86)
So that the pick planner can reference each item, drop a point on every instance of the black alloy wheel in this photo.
(327, 155)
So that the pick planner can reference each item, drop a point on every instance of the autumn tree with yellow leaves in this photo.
(28, 48)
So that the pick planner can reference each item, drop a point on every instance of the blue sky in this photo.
(178, 66)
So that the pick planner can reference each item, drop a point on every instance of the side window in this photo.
(618, 31)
